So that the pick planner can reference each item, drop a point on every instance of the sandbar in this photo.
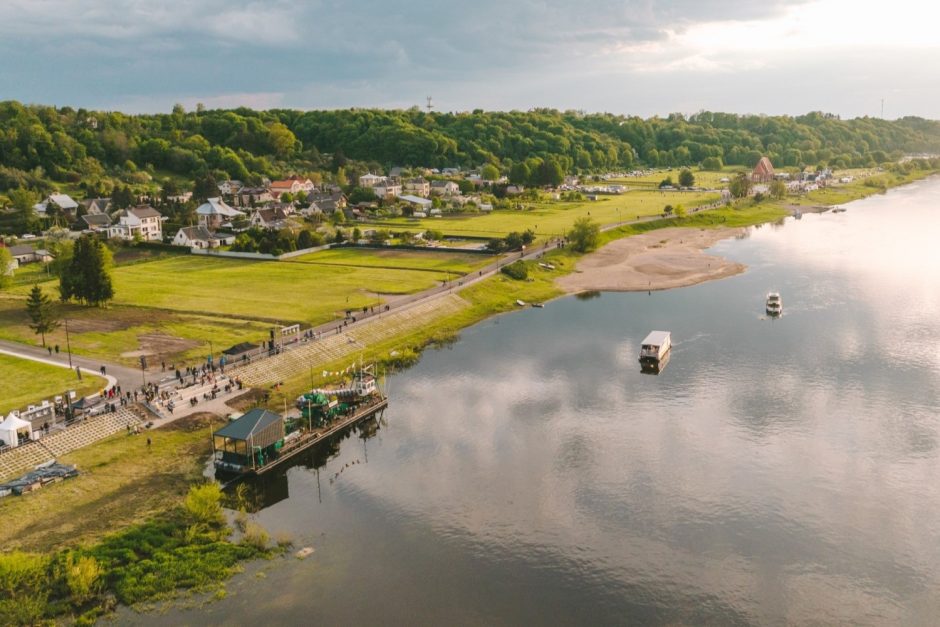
(657, 260)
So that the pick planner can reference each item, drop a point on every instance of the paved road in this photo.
(127, 378)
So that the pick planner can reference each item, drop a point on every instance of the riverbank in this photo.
(658, 260)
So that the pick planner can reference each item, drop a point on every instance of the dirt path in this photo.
(657, 260)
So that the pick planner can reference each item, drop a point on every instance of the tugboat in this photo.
(774, 304)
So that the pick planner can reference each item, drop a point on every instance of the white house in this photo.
(291, 185)
(214, 213)
(445, 188)
(388, 188)
(268, 218)
(418, 186)
(197, 237)
(247, 195)
(63, 201)
(228, 188)
(145, 222)
(421, 203)
(371, 180)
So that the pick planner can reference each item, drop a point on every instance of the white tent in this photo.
(12, 426)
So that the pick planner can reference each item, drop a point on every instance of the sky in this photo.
(632, 57)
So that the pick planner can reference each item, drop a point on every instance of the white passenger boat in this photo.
(774, 304)
(655, 347)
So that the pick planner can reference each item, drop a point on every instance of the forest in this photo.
(44, 148)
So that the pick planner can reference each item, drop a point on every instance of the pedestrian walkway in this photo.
(335, 346)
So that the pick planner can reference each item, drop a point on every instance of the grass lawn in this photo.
(554, 218)
(122, 482)
(116, 333)
(23, 382)
(257, 290)
(703, 178)
(432, 259)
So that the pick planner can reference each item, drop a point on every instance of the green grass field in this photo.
(434, 260)
(554, 218)
(23, 382)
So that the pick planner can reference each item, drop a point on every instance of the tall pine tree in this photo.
(42, 312)
(86, 277)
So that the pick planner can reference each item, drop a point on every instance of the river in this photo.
(777, 471)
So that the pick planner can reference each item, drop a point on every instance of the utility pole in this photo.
(882, 108)
(429, 105)
(68, 344)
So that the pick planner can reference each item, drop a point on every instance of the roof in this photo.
(251, 423)
(64, 201)
(97, 219)
(657, 338)
(194, 233)
(415, 199)
(22, 249)
(216, 206)
(145, 212)
(12, 423)
(240, 348)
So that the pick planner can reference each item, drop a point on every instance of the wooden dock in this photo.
(309, 439)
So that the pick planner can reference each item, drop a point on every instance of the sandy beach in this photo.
(657, 260)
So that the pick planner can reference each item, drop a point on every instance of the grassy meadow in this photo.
(436, 261)
(554, 218)
(23, 382)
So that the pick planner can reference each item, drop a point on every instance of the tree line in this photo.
(44, 147)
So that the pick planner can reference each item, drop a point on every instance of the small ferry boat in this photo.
(774, 304)
(655, 348)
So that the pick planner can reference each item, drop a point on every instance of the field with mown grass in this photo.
(433, 260)
(555, 218)
(23, 382)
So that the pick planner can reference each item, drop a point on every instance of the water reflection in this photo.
(777, 473)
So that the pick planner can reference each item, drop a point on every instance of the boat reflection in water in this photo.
(257, 492)
(655, 367)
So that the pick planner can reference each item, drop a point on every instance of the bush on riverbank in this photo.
(516, 270)
(185, 549)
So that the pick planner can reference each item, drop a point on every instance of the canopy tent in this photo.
(12, 428)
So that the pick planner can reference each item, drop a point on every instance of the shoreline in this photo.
(657, 260)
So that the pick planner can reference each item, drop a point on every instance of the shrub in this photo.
(24, 588)
(204, 503)
(83, 576)
(255, 536)
(516, 270)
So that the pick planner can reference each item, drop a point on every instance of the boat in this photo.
(839, 210)
(539, 305)
(774, 304)
(261, 440)
(521, 303)
(655, 347)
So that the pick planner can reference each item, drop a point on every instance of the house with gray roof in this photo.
(215, 212)
(144, 222)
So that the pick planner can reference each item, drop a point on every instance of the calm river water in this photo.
(778, 471)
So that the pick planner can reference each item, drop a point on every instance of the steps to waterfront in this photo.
(21, 459)
(332, 347)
